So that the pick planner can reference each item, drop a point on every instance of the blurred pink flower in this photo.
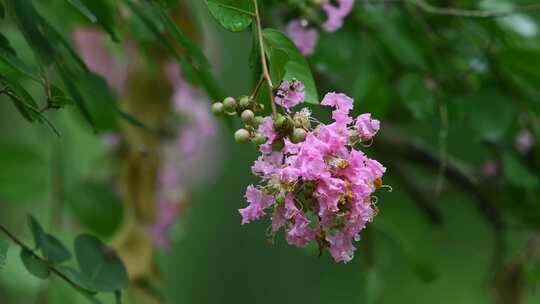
(304, 38)
(336, 14)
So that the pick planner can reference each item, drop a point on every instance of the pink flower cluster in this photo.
(305, 37)
(319, 188)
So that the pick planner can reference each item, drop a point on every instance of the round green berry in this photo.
(247, 116)
(280, 121)
(244, 102)
(241, 136)
(229, 104)
(257, 121)
(298, 135)
(217, 108)
(258, 140)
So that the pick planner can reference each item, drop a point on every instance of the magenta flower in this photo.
(336, 14)
(304, 38)
(289, 94)
(323, 178)
(366, 126)
(258, 201)
(524, 141)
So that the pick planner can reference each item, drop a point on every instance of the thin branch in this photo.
(257, 88)
(264, 64)
(44, 262)
(450, 11)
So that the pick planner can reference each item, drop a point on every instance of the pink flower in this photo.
(290, 93)
(336, 14)
(304, 38)
(258, 201)
(341, 247)
(322, 177)
(166, 217)
(299, 233)
(366, 126)
(524, 141)
(340, 101)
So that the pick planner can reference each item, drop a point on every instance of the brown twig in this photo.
(264, 64)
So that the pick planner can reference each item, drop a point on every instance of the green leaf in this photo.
(37, 231)
(278, 62)
(27, 19)
(100, 266)
(23, 168)
(100, 101)
(96, 207)
(2, 11)
(233, 15)
(34, 265)
(517, 174)
(415, 96)
(53, 250)
(67, 78)
(98, 11)
(75, 276)
(23, 101)
(59, 98)
(5, 45)
(10, 59)
(83, 10)
(297, 66)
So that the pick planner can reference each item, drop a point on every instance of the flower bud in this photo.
(217, 108)
(247, 117)
(298, 135)
(258, 140)
(229, 104)
(257, 121)
(244, 102)
(280, 121)
(241, 136)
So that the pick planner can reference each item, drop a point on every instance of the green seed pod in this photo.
(247, 117)
(229, 104)
(280, 122)
(257, 121)
(298, 135)
(258, 140)
(217, 108)
(241, 136)
(244, 102)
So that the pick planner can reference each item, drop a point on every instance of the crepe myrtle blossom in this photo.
(315, 183)
(336, 13)
(304, 37)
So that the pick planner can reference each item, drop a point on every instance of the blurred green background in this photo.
(423, 75)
